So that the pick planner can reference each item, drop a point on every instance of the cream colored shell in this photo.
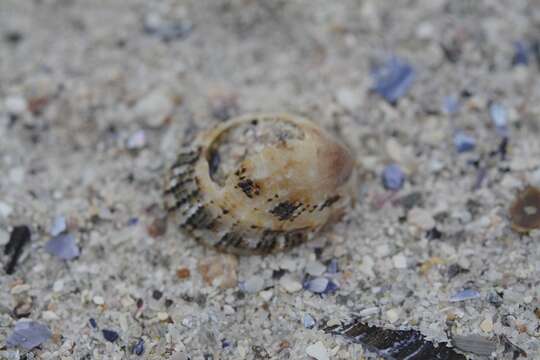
(259, 183)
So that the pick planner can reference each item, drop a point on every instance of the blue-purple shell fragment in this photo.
(392, 79)
(308, 321)
(499, 117)
(467, 294)
(28, 334)
(393, 177)
(521, 54)
(464, 142)
(451, 104)
(63, 246)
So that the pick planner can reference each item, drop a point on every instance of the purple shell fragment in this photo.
(392, 79)
(451, 104)
(464, 142)
(393, 177)
(467, 294)
(320, 285)
(138, 348)
(317, 285)
(110, 335)
(521, 54)
(63, 246)
(28, 334)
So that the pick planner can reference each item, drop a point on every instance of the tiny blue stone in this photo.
(464, 142)
(393, 177)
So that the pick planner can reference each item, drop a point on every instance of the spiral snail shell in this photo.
(259, 183)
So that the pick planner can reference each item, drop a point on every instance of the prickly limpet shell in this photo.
(259, 183)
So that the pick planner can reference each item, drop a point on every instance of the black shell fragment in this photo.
(394, 344)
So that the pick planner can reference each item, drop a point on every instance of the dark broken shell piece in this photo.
(395, 344)
(525, 211)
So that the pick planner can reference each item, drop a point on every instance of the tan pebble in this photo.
(49, 316)
(98, 300)
(486, 325)
(162, 316)
(421, 218)
(290, 284)
(219, 270)
(18, 289)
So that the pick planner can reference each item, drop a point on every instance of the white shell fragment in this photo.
(259, 183)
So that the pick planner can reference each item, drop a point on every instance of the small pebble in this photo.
(393, 177)
(315, 268)
(266, 295)
(253, 284)
(219, 270)
(5, 210)
(110, 335)
(49, 315)
(162, 316)
(15, 105)
(28, 334)
(348, 98)
(137, 140)
(317, 351)
(421, 218)
(98, 300)
(154, 108)
(486, 325)
(392, 315)
(289, 284)
(400, 261)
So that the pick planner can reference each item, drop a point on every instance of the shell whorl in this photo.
(259, 183)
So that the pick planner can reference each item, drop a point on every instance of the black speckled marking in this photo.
(395, 344)
(181, 199)
(202, 218)
(294, 238)
(249, 188)
(188, 157)
(329, 202)
(284, 210)
(230, 239)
